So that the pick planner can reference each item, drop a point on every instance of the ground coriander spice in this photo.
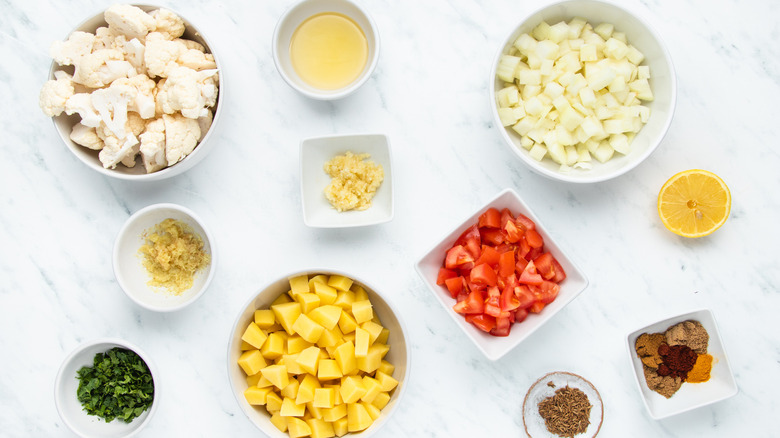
(567, 413)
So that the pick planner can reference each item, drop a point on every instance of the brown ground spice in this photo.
(647, 348)
(689, 333)
(664, 385)
(567, 413)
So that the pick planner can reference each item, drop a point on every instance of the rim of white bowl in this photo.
(110, 343)
(584, 179)
(356, 278)
(311, 92)
(195, 156)
(208, 237)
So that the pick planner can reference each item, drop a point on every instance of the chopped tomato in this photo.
(483, 274)
(456, 256)
(544, 265)
(534, 239)
(455, 285)
(498, 271)
(482, 321)
(490, 219)
(474, 303)
(506, 264)
(530, 276)
(444, 274)
(489, 255)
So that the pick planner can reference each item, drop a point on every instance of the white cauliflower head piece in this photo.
(153, 146)
(161, 54)
(168, 23)
(181, 137)
(129, 20)
(70, 51)
(139, 90)
(102, 67)
(81, 103)
(86, 136)
(188, 91)
(55, 94)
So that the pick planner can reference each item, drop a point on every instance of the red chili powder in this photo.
(678, 360)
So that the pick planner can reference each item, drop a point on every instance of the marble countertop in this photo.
(429, 94)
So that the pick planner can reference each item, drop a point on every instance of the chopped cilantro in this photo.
(118, 385)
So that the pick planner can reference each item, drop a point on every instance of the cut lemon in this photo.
(694, 203)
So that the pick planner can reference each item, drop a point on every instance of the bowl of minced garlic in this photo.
(163, 257)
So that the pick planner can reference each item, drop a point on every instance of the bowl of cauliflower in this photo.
(135, 92)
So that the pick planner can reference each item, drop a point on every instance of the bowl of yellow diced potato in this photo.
(582, 91)
(318, 353)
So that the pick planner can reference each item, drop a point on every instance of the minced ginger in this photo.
(173, 253)
(354, 181)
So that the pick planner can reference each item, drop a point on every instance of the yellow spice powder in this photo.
(173, 254)
(354, 181)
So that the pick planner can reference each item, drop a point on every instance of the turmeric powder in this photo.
(701, 369)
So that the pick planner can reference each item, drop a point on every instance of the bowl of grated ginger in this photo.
(164, 258)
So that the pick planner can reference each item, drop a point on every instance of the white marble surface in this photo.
(58, 219)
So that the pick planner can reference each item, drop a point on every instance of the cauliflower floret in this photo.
(115, 151)
(69, 52)
(168, 23)
(55, 94)
(196, 60)
(134, 54)
(191, 45)
(181, 137)
(129, 20)
(106, 38)
(86, 136)
(139, 90)
(161, 55)
(111, 104)
(188, 91)
(153, 146)
(81, 103)
(102, 67)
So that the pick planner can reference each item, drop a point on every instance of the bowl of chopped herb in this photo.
(85, 390)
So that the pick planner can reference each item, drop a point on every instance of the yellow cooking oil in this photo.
(329, 51)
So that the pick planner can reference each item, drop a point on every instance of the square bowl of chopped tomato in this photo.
(500, 275)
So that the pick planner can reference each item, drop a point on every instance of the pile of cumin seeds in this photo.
(567, 413)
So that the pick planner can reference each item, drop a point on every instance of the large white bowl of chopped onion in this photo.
(582, 91)
(135, 92)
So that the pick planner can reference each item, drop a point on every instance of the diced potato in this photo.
(296, 344)
(246, 346)
(360, 293)
(327, 294)
(279, 421)
(291, 409)
(308, 301)
(329, 369)
(255, 395)
(306, 389)
(373, 387)
(273, 403)
(351, 389)
(299, 285)
(291, 362)
(254, 335)
(251, 361)
(286, 314)
(340, 282)
(324, 397)
(361, 342)
(276, 374)
(252, 380)
(371, 361)
(307, 329)
(381, 400)
(372, 410)
(344, 355)
(326, 315)
(297, 428)
(344, 299)
(340, 426)
(273, 346)
(330, 338)
(334, 413)
(362, 311)
(357, 417)
(383, 337)
(291, 390)
(320, 428)
(387, 382)
(308, 359)
(264, 318)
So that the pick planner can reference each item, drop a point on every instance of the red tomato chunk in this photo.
(498, 272)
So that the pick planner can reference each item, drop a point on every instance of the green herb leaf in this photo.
(117, 385)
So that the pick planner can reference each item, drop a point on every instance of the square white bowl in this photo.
(315, 152)
(494, 347)
(130, 272)
(691, 395)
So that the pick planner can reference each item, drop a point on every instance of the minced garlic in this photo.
(173, 253)
(354, 181)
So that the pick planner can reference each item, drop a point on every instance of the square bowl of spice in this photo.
(85, 394)
(346, 180)
(164, 257)
(680, 364)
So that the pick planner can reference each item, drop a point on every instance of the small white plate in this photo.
(494, 347)
(133, 277)
(691, 395)
(67, 384)
(315, 152)
(545, 387)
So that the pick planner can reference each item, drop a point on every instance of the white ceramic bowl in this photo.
(69, 407)
(128, 263)
(545, 387)
(691, 395)
(297, 14)
(399, 354)
(494, 347)
(315, 152)
(663, 82)
(64, 123)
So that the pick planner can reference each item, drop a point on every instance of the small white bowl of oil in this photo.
(325, 49)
